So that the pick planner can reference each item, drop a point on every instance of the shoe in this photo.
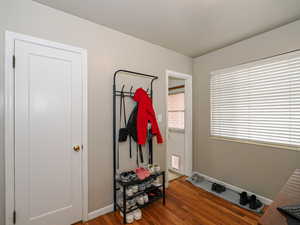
(142, 173)
(218, 188)
(146, 172)
(146, 199)
(151, 169)
(135, 188)
(142, 187)
(140, 200)
(127, 176)
(254, 203)
(154, 194)
(137, 214)
(244, 200)
(196, 178)
(156, 168)
(129, 217)
(156, 182)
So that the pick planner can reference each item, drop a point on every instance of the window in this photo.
(176, 111)
(258, 102)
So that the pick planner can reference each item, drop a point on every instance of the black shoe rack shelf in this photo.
(124, 185)
(120, 186)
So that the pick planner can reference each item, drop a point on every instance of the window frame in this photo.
(260, 62)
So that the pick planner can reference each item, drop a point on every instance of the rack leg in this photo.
(124, 205)
(164, 189)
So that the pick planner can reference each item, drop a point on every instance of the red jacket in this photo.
(145, 114)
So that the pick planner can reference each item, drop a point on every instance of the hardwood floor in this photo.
(187, 205)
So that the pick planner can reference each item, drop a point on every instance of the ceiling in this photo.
(190, 27)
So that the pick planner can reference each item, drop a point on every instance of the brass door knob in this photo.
(76, 148)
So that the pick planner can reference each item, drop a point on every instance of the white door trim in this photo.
(10, 38)
(188, 118)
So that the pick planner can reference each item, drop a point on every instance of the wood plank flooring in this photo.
(187, 205)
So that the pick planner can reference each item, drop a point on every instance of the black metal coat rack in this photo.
(130, 93)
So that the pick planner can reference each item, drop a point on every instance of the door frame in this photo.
(10, 38)
(188, 155)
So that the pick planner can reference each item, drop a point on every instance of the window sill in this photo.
(243, 141)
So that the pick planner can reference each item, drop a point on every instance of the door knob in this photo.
(76, 148)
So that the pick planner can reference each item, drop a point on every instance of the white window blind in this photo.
(258, 101)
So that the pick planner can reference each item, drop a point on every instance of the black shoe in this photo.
(218, 188)
(244, 200)
(254, 203)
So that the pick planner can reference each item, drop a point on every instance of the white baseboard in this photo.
(263, 199)
(100, 212)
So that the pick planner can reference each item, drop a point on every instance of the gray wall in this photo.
(108, 50)
(262, 170)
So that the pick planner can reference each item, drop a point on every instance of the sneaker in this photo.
(129, 217)
(151, 169)
(129, 192)
(137, 214)
(142, 187)
(127, 176)
(146, 199)
(156, 182)
(135, 188)
(140, 200)
(156, 168)
(197, 178)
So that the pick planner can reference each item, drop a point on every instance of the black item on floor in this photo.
(291, 210)
(254, 203)
(218, 188)
(244, 199)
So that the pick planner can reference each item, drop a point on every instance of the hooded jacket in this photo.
(145, 114)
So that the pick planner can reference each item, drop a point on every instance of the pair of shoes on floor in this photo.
(142, 173)
(253, 202)
(135, 215)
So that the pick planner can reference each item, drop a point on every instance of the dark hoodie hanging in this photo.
(132, 131)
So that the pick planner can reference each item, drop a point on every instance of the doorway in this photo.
(45, 132)
(179, 124)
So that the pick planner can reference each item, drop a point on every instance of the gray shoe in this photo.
(196, 178)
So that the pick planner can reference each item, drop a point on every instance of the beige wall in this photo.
(262, 170)
(108, 50)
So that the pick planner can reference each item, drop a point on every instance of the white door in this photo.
(48, 123)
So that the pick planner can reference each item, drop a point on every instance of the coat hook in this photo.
(123, 88)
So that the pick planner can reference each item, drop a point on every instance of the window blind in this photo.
(258, 101)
